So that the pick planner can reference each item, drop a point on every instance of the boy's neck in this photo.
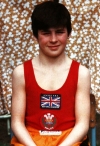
(51, 61)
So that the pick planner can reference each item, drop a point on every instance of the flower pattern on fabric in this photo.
(18, 45)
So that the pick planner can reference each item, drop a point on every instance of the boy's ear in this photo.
(69, 35)
(35, 38)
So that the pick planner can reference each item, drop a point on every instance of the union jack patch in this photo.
(50, 101)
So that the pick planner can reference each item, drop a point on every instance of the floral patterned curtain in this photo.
(18, 45)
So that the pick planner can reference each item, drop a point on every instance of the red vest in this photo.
(50, 110)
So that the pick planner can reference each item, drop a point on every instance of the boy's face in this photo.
(52, 42)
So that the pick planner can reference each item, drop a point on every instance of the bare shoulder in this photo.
(84, 78)
(18, 72)
(84, 72)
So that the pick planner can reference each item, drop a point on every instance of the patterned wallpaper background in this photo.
(18, 45)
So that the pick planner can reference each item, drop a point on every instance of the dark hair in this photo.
(50, 14)
(56, 1)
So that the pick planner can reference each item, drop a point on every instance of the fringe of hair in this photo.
(57, 1)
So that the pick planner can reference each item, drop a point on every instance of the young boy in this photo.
(50, 100)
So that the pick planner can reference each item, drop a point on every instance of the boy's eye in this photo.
(60, 32)
(46, 33)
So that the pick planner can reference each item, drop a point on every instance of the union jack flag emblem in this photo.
(50, 101)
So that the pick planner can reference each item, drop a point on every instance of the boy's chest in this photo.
(51, 80)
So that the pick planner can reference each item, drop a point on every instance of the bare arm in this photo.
(82, 109)
(18, 108)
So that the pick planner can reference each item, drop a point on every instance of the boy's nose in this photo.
(53, 37)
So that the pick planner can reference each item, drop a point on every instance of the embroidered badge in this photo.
(48, 121)
(50, 101)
